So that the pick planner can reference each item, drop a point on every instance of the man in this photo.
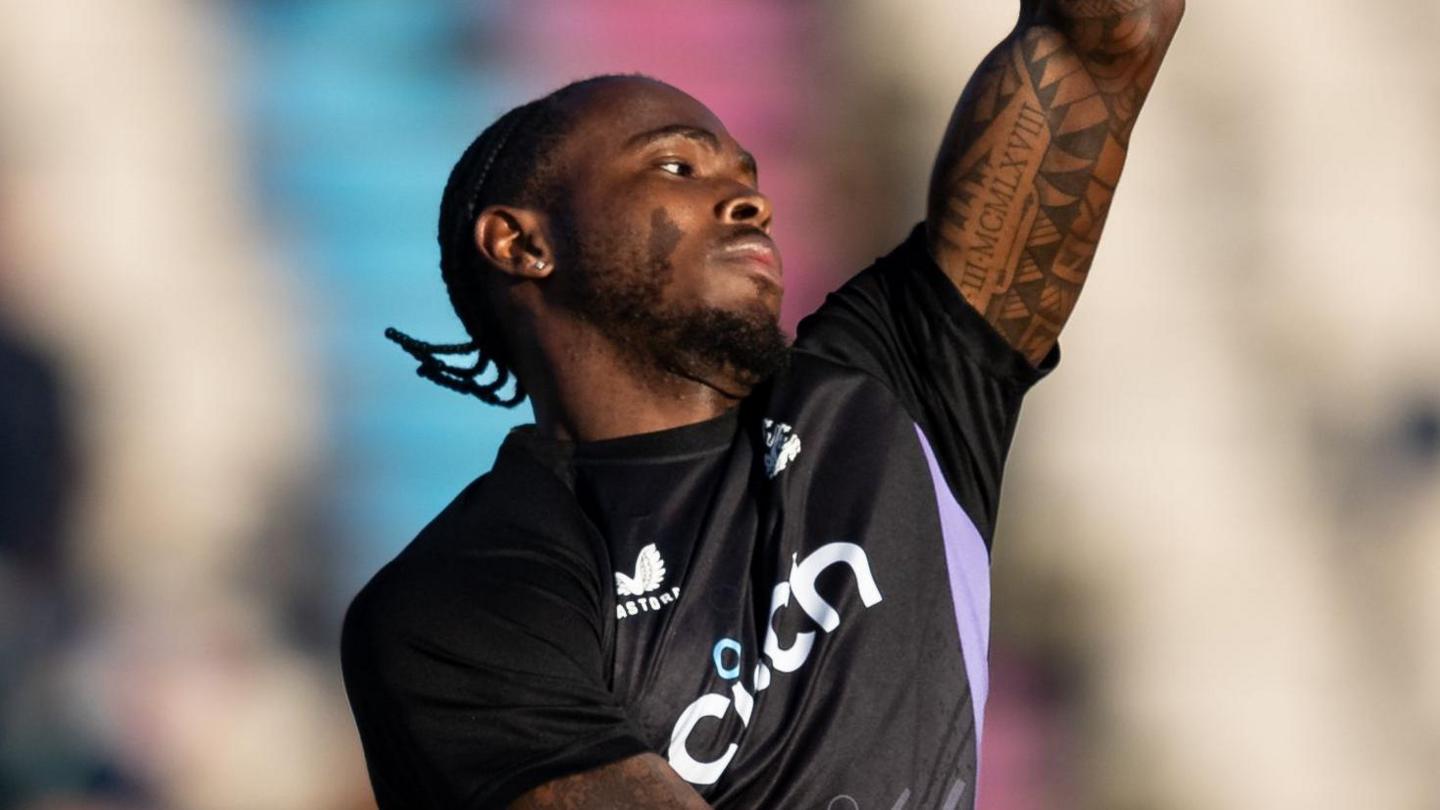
(720, 570)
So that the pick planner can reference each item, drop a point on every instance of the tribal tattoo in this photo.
(1033, 154)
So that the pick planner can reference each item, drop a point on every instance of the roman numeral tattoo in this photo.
(1032, 157)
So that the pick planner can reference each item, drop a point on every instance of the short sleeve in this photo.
(903, 322)
(477, 675)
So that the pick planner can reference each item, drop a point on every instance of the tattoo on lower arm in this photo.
(1031, 162)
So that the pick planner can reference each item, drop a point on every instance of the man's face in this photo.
(664, 237)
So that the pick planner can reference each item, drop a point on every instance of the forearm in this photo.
(1031, 159)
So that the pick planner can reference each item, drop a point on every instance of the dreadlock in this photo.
(510, 163)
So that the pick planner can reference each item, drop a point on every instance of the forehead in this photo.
(609, 114)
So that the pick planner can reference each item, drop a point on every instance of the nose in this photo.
(747, 207)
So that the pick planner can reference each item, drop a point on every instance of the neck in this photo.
(585, 388)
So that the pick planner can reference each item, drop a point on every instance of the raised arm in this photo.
(1032, 155)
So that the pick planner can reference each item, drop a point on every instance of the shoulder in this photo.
(813, 371)
(903, 321)
(421, 591)
(511, 550)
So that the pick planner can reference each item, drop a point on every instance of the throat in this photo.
(596, 395)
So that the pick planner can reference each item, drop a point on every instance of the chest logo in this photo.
(782, 446)
(637, 591)
(799, 592)
(649, 573)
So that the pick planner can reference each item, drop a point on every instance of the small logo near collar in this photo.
(782, 446)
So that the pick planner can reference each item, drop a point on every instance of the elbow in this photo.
(1168, 14)
(1157, 19)
(1164, 14)
(1155, 25)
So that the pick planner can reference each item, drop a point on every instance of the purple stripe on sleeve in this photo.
(969, 566)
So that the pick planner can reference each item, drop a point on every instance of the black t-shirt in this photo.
(789, 602)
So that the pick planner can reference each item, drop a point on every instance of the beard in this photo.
(621, 291)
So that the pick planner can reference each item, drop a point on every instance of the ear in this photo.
(513, 241)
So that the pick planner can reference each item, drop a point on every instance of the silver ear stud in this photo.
(541, 264)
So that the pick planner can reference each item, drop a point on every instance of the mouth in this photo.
(755, 249)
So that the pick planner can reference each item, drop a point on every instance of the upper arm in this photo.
(1032, 156)
(643, 782)
(903, 323)
(475, 678)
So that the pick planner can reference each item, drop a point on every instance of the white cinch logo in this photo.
(649, 574)
(782, 446)
(801, 587)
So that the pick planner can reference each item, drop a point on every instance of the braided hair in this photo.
(510, 163)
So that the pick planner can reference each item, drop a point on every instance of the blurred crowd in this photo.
(1218, 562)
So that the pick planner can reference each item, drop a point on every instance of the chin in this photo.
(745, 340)
(751, 300)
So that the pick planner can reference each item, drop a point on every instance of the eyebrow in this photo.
(697, 134)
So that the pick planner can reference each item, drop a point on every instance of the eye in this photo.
(676, 167)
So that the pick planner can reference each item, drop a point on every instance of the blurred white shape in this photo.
(131, 251)
(1266, 276)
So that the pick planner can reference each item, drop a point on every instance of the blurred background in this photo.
(1218, 564)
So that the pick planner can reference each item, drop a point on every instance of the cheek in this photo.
(648, 226)
(664, 239)
(674, 245)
